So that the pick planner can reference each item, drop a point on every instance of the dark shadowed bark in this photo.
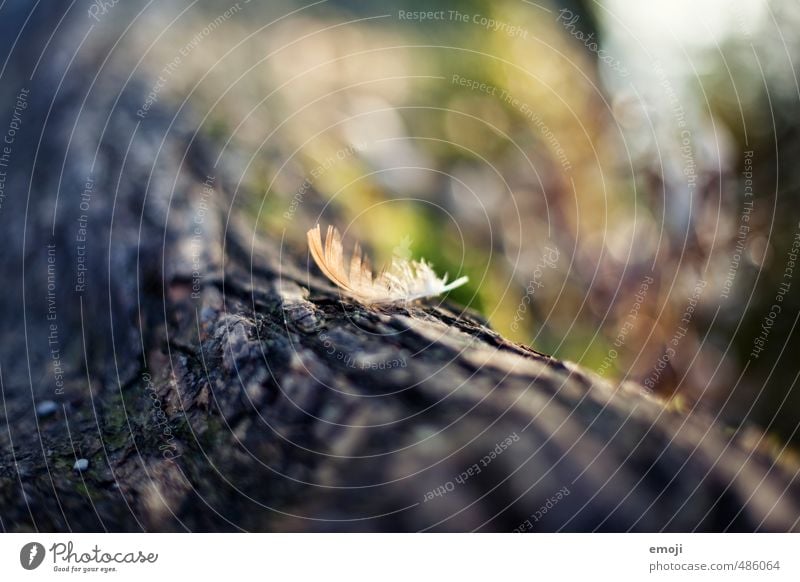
(215, 382)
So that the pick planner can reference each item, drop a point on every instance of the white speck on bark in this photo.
(46, 408)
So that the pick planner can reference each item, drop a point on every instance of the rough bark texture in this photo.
(284, 407)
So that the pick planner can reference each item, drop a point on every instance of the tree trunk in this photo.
(215, 381)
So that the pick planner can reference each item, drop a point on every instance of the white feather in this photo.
(406, 280)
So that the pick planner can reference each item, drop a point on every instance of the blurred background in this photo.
(618, 178)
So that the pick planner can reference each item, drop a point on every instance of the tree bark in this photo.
(215, 381)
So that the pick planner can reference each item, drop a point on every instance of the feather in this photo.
(406, 280)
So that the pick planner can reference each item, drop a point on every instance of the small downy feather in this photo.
(406, 280)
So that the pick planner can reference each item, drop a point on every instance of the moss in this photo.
(85, 488)
(62, 465)
(123, 413)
